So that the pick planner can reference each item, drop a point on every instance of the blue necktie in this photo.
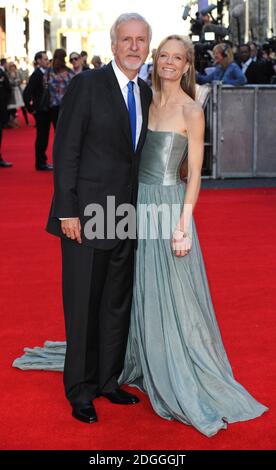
(132, 112)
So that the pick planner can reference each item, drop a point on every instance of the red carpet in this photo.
(237, 229)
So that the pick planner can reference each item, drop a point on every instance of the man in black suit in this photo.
(253, 69)
(99, 138)
(5, 92)
(32, 95)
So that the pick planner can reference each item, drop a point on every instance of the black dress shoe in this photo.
(84, 412)
(45, 167)
(120, 397)
(4, 164)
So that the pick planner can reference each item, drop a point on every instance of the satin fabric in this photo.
(175, 352)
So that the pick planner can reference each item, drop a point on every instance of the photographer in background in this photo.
(226, 70)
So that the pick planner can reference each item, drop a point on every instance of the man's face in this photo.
(253, 50)
(244, 54)
(44, 61)
(132, 45)
(206, 19)
(84, 59)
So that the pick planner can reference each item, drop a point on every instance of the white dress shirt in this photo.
(246, 64)
(123, 81)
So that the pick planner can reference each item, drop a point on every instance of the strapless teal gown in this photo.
(175, 352)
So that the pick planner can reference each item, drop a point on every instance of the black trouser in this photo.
(3, 121)
(1, 133)
(25, 114)
(4, 115)
(43, 123)
(97, 293)
(54, 112)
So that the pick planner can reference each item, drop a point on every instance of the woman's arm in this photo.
(201, 79)
(195, 131)
(235, 77)
(195, 123)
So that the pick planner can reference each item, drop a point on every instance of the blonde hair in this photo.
(227, 52)
(188, 79)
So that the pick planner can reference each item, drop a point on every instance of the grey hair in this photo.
(127, 17)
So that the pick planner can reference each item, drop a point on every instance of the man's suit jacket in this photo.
(254, 73)
(33, 92)
(5, 92)
(5, 87)
(93, 154)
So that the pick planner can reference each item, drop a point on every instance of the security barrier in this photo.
(240, 139)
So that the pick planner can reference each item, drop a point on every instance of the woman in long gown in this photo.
(175, 353)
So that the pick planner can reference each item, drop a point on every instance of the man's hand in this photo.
(72, 228)
(183, 172)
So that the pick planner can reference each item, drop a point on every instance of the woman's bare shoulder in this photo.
(192, 107)
(193, 113)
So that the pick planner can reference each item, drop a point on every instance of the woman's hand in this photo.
(181, 242)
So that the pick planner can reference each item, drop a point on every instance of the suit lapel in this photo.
(119, 103)
(122, 111)
(145, 112)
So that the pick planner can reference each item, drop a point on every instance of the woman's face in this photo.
(13, 69)
(218, 57)
(172, 62)
(76, 60)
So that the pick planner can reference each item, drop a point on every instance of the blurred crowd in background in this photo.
(38, 89)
